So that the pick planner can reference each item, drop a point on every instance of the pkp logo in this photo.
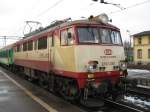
(108, 52)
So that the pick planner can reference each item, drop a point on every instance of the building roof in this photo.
(144, 33)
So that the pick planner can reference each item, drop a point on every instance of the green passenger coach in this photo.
(7, 56)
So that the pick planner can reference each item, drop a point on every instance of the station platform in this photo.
(142, 77)
(19, 95)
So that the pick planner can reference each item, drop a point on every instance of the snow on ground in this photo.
(144, 103)
(138, 71)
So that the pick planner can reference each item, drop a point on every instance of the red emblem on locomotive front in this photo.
(108, 52)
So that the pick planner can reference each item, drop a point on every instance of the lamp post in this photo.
(129, 37)
(130, 50)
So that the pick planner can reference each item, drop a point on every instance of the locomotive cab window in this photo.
(88, 35)
(105, 36)
(42, 43)
(67, 37)
(97, 35)
(116, 37)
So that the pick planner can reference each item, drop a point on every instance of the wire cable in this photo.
(132, 6)
(48, 9)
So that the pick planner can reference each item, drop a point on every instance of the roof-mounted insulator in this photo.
(103, 18)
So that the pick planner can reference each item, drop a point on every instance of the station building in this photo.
(141, 45)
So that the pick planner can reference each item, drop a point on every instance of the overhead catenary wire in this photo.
(39, 15)
(51, 7)
(131, 6)
(3, 37)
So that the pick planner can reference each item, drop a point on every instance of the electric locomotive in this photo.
(78, 59)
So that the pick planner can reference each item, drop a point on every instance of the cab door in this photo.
(51, 51)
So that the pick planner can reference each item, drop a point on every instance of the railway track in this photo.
(109, 106)
(145, 92)
(122, 107)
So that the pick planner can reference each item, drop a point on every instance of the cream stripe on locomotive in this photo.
(87, 53)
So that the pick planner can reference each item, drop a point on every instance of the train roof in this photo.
(7, 47)
(61, 24)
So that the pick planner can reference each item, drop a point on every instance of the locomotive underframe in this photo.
(70, 88)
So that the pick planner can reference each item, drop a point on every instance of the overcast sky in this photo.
(14, 13)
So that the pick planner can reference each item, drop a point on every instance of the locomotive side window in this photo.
(42, 43)
(30, 45)
(25, 47)
(116, 38)
(35, 45)
(70, 36)
(18, 48)
(63, 37)
(88, 35)
(67, 37)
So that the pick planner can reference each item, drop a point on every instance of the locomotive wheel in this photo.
(41, 81)
(70, 91)
(51, 81)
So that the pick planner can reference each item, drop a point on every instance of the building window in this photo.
(149, 53)
(139, 40)
(25, 47)
(149, 39)
(42, 43)
(139, 53)
(30, 45)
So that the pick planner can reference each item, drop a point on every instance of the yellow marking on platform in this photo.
(35, 98)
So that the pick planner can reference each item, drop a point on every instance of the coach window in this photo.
(42, 43)
(24, 46)
(30, 45)
(67, 37)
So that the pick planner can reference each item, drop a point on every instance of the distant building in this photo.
(128, 51)
(142, 47)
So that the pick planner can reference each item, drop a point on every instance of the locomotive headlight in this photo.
(92, 66)
(91, 69)
(123, 66)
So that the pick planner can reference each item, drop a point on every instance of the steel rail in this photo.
(122, 106)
